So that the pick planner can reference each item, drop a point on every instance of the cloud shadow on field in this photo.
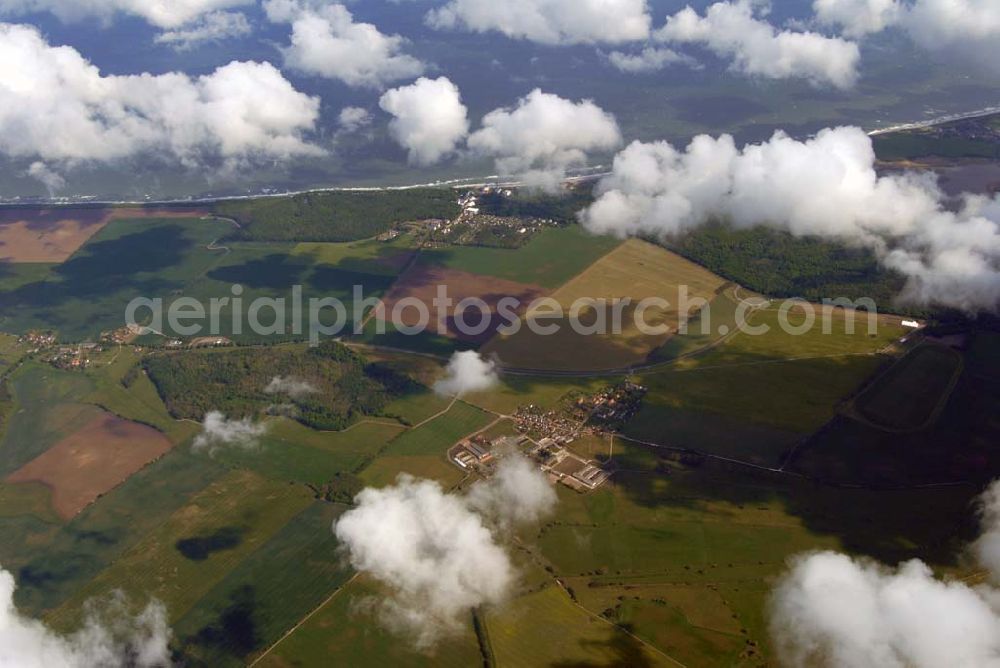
(234, 630)
(628, 653)
(200, 548)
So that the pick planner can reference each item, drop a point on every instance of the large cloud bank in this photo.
(543, 136)
(430, 119)
(326, 41)
(161, 13)
(934, 24)
(111, 637)
(549, 21)
(824, 186)
(731, 30)
(438, 553)
(56, 106)
(832, 610)
(467, 371)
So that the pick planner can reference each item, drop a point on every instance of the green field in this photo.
(754, 397)
(292, 452)
(267, 593)
(342, 633)
(546, 629)
(169, 259)
(364, 257)
(912, 393)
(53, 562)
(957, 446)
(120, 387)
(272, 271)
(183, 558)
(549, 260)
(88, 293)
(667, 547)
(422, 451)
(46, 409)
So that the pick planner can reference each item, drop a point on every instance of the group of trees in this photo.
(778, 264)
(335, 216)
(325, 388)
(562, 208)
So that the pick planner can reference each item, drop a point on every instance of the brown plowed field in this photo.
(92, 461)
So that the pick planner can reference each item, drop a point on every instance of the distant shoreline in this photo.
(464, 182)
(456, 184)
(933, 122)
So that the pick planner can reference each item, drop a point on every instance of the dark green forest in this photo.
(778, 264)
(335, 216)
(345, 387)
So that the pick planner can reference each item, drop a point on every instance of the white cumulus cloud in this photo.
(160, 13)
(549, 21)
(468, 371)
(214, 27)
(987, 548)
(834, 610)
(352, 119)
(111, 637)
(51, 179)
(732, 30)
(435, 552)
(517, 493)
(430, 119)
(326, 41)
(933, 24)
(650, 59)
(219, 433)
(823, 186)
(858, 17)
(56, 106)
(544, 136)
(289, 386)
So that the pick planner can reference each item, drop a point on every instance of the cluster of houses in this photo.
(612, 407)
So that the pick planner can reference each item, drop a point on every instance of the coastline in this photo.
(457, 183)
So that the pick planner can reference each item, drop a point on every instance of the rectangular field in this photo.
(549, 260)
(53, 235)
(346, 633)
(292, 452)
(52, 566)
(92, 461)
(913, 392)
(636, 270)
(268, 593)
(545, 628)
(188, 554)
(88, 293)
